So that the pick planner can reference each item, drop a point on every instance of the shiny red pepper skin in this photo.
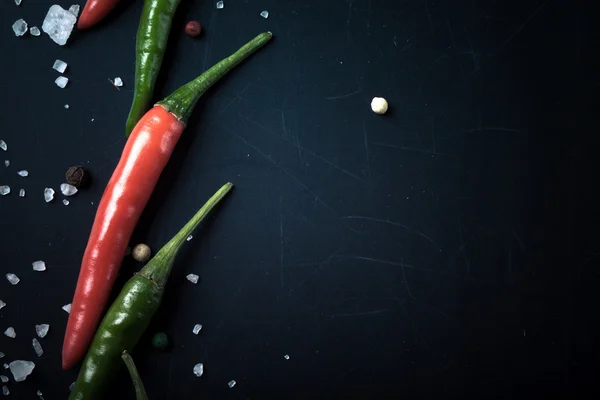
(145, 155)
(94, 12)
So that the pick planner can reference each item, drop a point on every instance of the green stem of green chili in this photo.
(140, 391)
(182, 101)
(159, 268)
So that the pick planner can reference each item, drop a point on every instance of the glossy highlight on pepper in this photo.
(94, 12)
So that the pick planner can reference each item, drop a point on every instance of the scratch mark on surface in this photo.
(492, 128)
(367, 150)
(356, 314)
(402, 147)
(408, 46)
(238, 96)
(285, 131)
(297, 143)
(305, 150)
(316, 270)
(211, 28)
(472, 52)
(281, 260)
(116, 142)
(384, 262)
(282, 168)
(429, 16)
(454, 43)
(385, 221)
(405, 281)
(515, 33)
(518, 239)
(348, 20)
(344, 96)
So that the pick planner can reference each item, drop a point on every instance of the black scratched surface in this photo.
(449, 248)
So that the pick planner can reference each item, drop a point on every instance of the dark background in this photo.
(449, 248)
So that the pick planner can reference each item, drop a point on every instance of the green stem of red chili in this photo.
(183, 100)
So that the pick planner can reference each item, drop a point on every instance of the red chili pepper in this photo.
(94, 12)
(145, 155)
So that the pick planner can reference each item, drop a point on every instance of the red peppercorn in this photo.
(193, 28)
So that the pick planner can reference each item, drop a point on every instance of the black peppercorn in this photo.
(76, 176)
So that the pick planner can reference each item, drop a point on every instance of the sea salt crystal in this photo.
(39, 266)
(66, 106)
(1, 354)
(199, 369)
(3, 145)
(66, 202)
(4, 190)
(18, 2)
(59, 24)
(2, 305)
(189, 238)
(197, 329)
(37, 347)
(68, 190)
(61, 81)
(67, 308)
(5, 391)
(192, 278)
(42, 330)
(4, 378)
(12, 278)
(231, 384)
(23, 173)
(5, 366)
(10, 332)
(48, 195)
(39, 393)
(35, 31)
(60, 66)
(74, 9)
(6, 163)
(118, 82)
(20, 27)
(21, 369)
(287, 357)
(22, 193)
(264, 14)
(220, 5)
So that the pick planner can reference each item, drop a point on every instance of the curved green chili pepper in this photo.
(131, 312)
(151, 43)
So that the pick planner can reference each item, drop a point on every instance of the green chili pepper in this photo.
(130, 314)
(151, 43)
(140, 391)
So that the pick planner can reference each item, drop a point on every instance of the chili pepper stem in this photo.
(159, 267)
(183, 100)
(140, 391)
